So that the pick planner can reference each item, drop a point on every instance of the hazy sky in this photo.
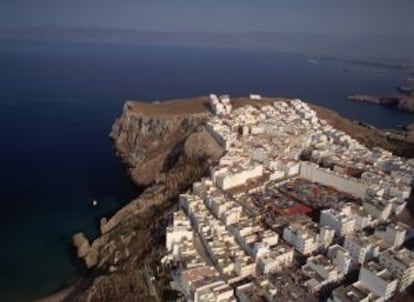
(315, 16)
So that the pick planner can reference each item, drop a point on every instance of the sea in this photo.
(58, 101)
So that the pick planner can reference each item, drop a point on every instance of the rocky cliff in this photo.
(401, 102)
(146, 139)
(166, 148)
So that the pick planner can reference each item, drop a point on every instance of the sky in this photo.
(343, 17)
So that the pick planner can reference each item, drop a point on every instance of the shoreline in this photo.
(67, 293)
(58, 296)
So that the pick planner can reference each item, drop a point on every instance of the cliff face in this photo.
(166, 151)
(148, 141)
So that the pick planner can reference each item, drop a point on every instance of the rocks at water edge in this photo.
(402, 102)
(85, 251)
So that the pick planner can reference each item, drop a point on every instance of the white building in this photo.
(352, 293)
(231, 179)
(401, 264)
(270, 237)
(341, 221)
(378, 208)
(279, 257)
(352, 186)
(321, 272)
(361, 217)
(326, 236)
(215, 292)
(305, 241)
(179, 231)
(247, 293)
(341, 258)
(359, 248)
(255, 97)
(394, 234)
(231, 216)
(378, 280)
(220, 105)
(244, 266)
(196, 279)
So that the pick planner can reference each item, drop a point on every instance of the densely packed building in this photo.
(292, 208)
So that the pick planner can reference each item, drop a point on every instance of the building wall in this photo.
(378, 212)
(327, 219)
(402, 272)
(278, 262)
(222, 141)
(315, 174)
(343, 263)
(303, 245)
(358, 253)
(377, 285)
(326, 236)
(228, 180)
(396, 237)
(242, 269)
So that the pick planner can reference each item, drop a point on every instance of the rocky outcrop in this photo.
(84, 249)
(156, 142)
(402, 102)
(146, 141)
(167, 151)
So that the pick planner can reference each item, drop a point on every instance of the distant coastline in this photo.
(400, 102)
(319, 47)
(404, 102)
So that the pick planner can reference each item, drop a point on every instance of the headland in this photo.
(167, 147)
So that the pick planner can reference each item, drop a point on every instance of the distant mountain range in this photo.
(397, 51)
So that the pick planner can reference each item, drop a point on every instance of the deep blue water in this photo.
(57, 104)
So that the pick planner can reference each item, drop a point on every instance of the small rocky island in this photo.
(167, 147)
